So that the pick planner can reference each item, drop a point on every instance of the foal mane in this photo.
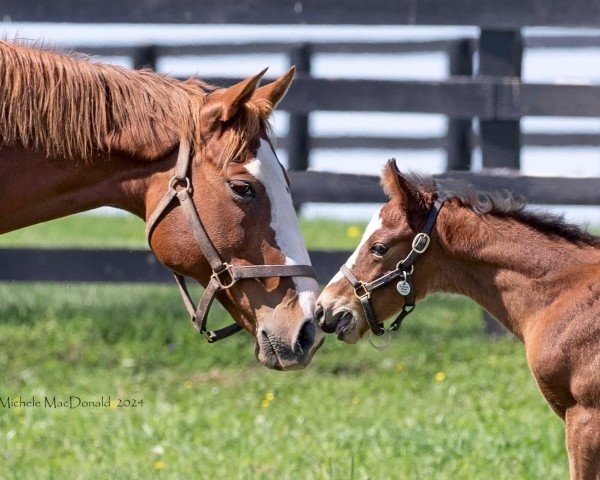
(65, 105)
(502, 203)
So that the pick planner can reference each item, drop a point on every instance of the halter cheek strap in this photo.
(224, 275)
(403, 271)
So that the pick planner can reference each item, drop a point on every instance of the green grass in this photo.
(355, 413)
(84, 230)
(90, 230)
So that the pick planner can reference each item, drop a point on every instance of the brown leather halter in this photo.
(224, 274)
(404, 270)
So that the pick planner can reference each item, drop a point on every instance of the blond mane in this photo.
(68, 106)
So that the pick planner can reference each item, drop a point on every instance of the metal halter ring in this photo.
(417, 239)
(366, 293)
(405, 272)
(384, 345)
(216, 275)
(175, 179)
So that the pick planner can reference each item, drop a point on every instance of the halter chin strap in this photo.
(224, 275)
(403, 271)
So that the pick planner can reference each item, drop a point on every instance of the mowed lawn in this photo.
(443, 402)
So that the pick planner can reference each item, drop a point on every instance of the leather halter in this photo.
(403, 271)
(224, 275)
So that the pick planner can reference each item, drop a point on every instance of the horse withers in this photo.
(537, 275)
(193, 160)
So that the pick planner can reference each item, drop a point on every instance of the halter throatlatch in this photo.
(224, 275)
(403, 271)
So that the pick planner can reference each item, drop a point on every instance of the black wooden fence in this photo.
(493, 94)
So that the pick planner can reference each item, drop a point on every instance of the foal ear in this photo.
(274, 92)
(396, 186)
(225, 103)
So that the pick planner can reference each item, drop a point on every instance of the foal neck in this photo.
(511, 269)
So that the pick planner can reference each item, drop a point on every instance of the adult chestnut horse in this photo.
(193, 160)
(537, 275)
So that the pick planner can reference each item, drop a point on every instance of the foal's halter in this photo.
(224, 275)
(404, 270)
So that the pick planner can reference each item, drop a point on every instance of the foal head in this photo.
(242, 196)
(387, 240)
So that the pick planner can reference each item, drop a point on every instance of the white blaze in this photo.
(266, 168)
(374, 225)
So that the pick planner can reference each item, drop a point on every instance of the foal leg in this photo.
(583, 442)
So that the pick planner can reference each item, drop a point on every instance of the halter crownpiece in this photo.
(224, 275)
(403, 271)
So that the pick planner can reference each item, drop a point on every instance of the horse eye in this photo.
(241, 188)
(379, 249)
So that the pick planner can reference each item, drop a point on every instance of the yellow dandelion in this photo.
(440, 376)
(269, 396)
(158, 465)
(399, 367)
(112, 405)
(265, 403)
(188, 384)
(353, 231)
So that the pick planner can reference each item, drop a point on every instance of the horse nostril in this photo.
(306, 337)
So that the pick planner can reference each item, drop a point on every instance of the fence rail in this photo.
(281, 47)
(113, 265)
(497, 14)
(348, 188)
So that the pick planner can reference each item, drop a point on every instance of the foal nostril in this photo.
(326, 320)
(319, 313)
(305, 338)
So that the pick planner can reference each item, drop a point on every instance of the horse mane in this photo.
(66, 105)
(502, 203)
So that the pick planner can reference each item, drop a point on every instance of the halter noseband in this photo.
(404, 270)
(224, 275)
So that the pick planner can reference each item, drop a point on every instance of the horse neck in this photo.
(41, 189)
(510, 269)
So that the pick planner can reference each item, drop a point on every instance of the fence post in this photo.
(145, 56)
(500, 55)
(458, 137)
(298, 137)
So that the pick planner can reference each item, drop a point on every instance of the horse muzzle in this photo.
(282, 350)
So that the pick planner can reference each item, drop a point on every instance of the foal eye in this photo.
(241, 188)
(379, 249)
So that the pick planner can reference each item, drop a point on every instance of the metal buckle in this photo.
(209, 335)
(175, 179)
(417, 239)
(366, 293)
(216, 275)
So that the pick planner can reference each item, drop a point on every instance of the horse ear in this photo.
(396, 186)
(225, 103)
(274, 92)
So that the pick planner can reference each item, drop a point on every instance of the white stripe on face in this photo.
(266, 169)
(374, 225)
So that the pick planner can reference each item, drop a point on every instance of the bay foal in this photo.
(184, 156)
(537, 275)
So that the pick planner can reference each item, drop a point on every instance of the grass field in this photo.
(442, 402)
